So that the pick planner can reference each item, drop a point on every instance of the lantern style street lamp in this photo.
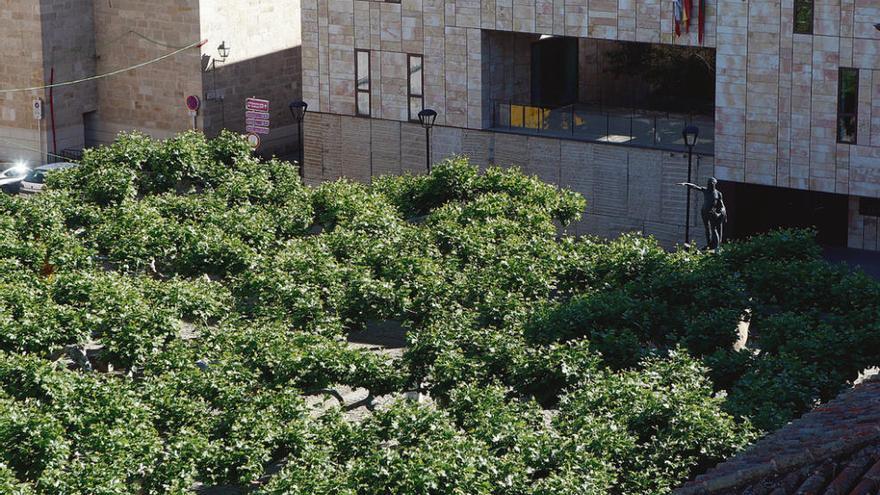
(427, 118)
(690, 134)
(298, 111)
(223, 51)
(223, 54)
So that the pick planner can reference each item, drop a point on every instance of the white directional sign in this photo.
(256, 115)
(258, 122)
(257, 105)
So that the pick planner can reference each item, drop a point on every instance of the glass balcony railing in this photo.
(586, 123)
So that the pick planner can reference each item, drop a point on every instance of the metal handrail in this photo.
(577, 118)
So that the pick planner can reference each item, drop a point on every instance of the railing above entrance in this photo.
(586, 123)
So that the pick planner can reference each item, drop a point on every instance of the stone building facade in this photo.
(77, 39)
(775, 113)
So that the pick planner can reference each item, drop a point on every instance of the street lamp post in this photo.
(427, 118)
(298, 110)
(223, 52)
(690, 135)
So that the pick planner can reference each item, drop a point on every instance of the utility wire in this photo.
(108, 74)
(141, 36)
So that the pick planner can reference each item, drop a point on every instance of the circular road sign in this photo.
(254, 140)
(193, 103)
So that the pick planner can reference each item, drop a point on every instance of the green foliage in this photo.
(657, 426)
(215, 291)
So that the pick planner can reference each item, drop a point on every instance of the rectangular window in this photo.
(415, 96)
(803, 16)
(362, 82)
(847, 105)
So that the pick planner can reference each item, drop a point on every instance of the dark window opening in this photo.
(90, 130)
(754, 209)
(847, 105)
(663, 78)
(554, 72)
(869, 207)
(803, 16)
(362, 82)
(415, 95)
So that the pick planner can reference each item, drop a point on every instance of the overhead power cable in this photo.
(107, 74)
(142, 36)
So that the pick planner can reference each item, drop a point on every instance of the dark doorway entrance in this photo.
(754, 209)
(554, 72)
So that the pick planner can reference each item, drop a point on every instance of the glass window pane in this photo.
(363, 103)
(846, 129)
(803, 16)
(363, 70)
(847, 105)
(849, 83)
(415, 106)
(415, 75)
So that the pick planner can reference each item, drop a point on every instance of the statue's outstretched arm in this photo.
(691, 186)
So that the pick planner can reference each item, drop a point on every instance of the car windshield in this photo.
(36, 177)
(15, 172)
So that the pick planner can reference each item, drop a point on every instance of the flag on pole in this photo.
(677, 13)
(686, 17)
(702, 19)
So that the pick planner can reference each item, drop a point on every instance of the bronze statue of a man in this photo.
(713, 212)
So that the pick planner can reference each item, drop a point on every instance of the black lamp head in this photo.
(877, 26)
(298, 110)
(427, 118)
(223, 51)
(690, 135)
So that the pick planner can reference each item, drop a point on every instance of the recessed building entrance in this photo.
(754, 209)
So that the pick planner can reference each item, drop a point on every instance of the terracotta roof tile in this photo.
(832, 450)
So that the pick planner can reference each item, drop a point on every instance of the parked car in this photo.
(34, 181)
(10, 179)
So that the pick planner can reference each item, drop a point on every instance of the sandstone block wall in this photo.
(22, 67)
(264, 62)
(776, 91)
(776, 109)
(150, 99)
(69, 50)
(627, 189)
(448, 34)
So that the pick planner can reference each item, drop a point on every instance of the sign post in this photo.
(38, 108)
(193, 103)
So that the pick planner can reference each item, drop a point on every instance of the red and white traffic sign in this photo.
(256, 105)
(193, 103)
